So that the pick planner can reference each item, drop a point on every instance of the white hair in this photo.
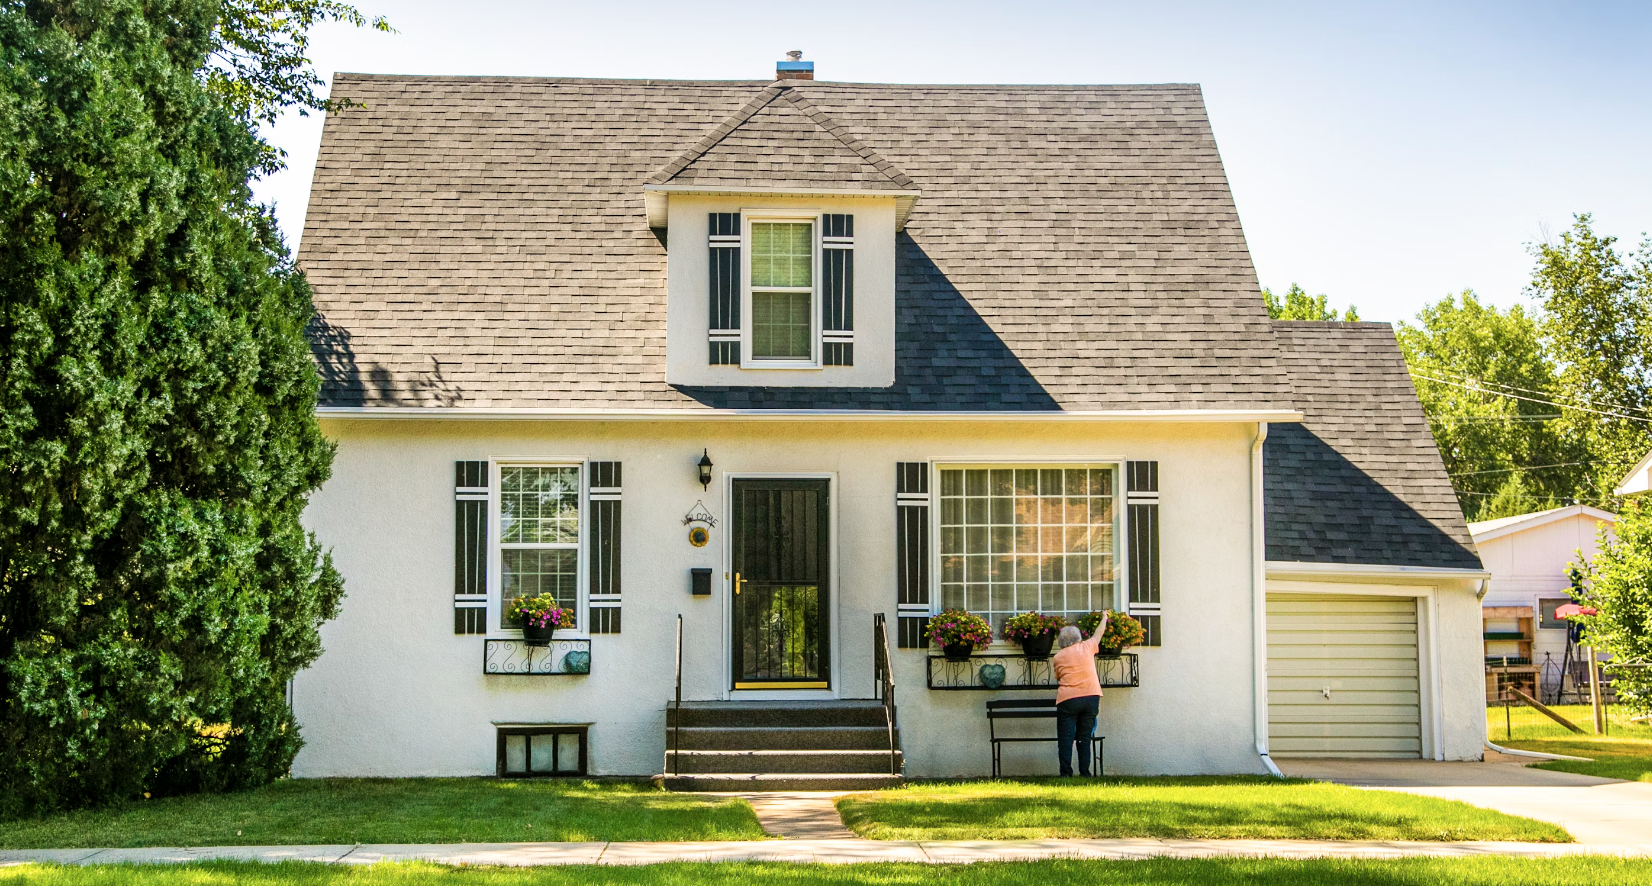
(1069, 635)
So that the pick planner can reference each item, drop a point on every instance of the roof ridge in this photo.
(849, 140)
(717, 134)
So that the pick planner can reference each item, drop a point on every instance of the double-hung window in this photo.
(1019, 538)
(781, 286)
(539, 536)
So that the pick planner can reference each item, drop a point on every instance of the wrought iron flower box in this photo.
(515, 657)
(981, 672)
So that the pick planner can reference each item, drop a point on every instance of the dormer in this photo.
(780, 230)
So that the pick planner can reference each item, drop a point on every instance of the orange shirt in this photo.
(1075, 670)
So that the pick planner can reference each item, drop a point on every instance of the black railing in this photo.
(883, 677)
(677, 704)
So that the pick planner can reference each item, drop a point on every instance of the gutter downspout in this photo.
(1259, 602)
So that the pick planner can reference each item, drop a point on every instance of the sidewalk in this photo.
(821, 851)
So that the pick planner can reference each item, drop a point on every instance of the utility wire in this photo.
(1481, 383)
(1563, 464)
(1483, 390)
(1491, 418)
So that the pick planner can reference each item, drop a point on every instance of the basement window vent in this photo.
(542, 751)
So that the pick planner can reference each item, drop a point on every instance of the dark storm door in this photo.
(782, 576)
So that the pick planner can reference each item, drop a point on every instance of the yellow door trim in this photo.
(789, 684)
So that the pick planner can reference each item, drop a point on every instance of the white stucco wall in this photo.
(397, 693)
(688, 293)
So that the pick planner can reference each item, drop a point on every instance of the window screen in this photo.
(1028, 539)
(539, 534)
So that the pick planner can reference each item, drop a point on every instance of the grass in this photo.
(1230, 807)
(1574, 871)
(1624, 752)
(410, 810)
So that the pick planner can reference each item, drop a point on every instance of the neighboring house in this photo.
(999, 348)
(1639, 479)
(1529, 557)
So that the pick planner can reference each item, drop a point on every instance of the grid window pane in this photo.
(529, 572)
(539, 505)
(782, 254)
(1021, 539)
(781, 326)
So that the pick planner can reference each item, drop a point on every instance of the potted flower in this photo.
(1036, 633)
(959, 633)
(541, 616)
(1122, 631)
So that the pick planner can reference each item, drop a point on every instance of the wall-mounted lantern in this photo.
(705, 470)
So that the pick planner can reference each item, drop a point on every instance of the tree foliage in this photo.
(1505, 455)
(1297, 304)
(1598, 328)
(157, 430)
(1618, 584)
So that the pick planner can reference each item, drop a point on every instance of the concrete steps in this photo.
(780, 746)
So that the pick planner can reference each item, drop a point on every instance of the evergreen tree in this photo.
(157, 397)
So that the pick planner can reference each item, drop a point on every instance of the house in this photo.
(788, 367)
(1639, 479)
(1530, 557)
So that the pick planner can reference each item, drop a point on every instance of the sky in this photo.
(1386, 154)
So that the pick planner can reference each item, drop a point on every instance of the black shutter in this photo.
(470, 547)
(837, 278)
(1141, 496)
(912, 553)
(725, 288)
(605, 547)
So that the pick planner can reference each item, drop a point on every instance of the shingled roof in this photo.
(1360, 479)
(781, 140)
(483, 242)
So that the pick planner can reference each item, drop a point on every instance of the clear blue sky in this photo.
(1386, 154)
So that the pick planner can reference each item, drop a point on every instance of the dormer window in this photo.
(782, 291)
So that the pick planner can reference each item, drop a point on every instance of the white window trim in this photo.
(747, 218)
(1121, 513)
(496, 563)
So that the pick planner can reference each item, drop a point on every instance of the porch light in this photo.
(705, 469)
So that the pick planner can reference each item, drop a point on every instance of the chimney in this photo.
(794, 67)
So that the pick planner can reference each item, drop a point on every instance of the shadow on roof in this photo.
(1322, 508)
(946, 358)
(347, 382)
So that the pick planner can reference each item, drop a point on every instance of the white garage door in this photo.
(1342, 677)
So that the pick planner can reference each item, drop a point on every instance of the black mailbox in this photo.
(700, 581)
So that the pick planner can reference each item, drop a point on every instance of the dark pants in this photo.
(1075, 722)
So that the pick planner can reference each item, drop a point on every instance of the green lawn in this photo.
(1230, 807)
(1624, 752)
(411, 810)
(1583, 871)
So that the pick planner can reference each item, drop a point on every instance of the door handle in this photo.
(738, 581)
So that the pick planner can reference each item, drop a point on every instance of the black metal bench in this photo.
(1027, 709)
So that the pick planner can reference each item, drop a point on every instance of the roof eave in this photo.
(483, 413)
(657, 198)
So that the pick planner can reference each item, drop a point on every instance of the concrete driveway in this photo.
(1593, 810)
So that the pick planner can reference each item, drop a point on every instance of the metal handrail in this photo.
(883, 678)
(677, 706)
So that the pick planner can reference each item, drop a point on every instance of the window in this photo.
(541, 750)
(1546, 607)
(538, 534)
(1014, 539)
(782, 290)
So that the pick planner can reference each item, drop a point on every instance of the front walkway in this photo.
(821, 851)
(1593, 810)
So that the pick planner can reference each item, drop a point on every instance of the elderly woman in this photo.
(1079, 694)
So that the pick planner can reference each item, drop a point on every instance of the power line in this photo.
(1483, 390)
(1563, 464)
(1482, 383)
(1492, 418)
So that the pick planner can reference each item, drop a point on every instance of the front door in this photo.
(782, 576)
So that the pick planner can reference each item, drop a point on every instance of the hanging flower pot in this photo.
(959, 633)
(540, 616)
(1036, 633)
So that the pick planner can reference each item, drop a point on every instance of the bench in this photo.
(1027, 709)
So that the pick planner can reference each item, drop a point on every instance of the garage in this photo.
(1343, 677)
